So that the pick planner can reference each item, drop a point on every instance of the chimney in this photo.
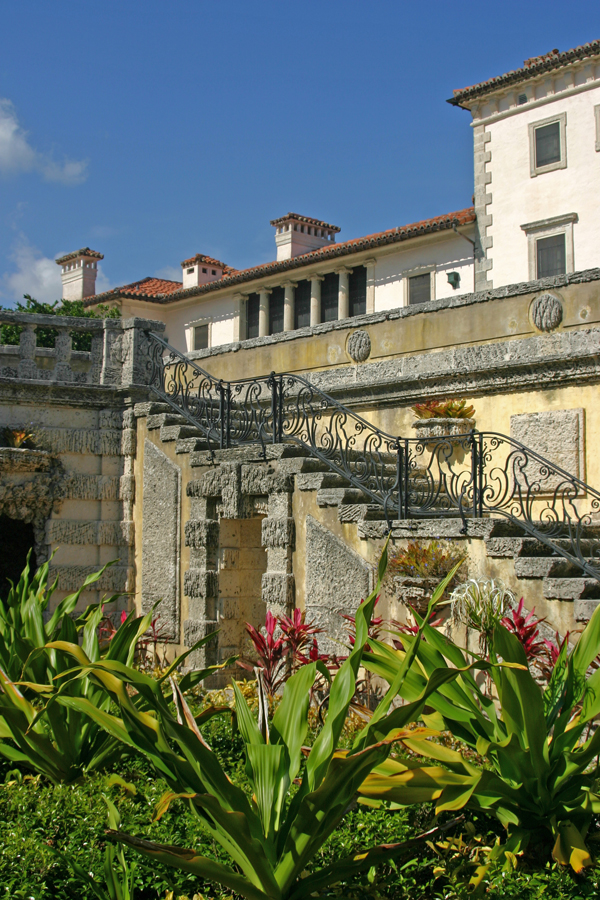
(200, 269)
(295, 235)
(78, 272)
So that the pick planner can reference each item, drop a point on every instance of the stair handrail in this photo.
(408, 477)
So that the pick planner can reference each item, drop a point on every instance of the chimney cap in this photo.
(305, 220)
(85, 251)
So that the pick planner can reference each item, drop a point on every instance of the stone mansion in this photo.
(536, 134)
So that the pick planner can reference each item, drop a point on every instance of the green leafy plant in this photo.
(59, 740)
(19, 438)
(541, 758)
(481, 604)
(425, 560)
(443, 409)
(118, 874)
(272, 835)
(10, 334)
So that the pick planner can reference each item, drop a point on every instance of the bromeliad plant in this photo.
(443, 409)
(272, 836)
(541, 757)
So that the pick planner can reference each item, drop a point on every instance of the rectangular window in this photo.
(302, 305)
(357, 300)
(201, 337)
(329, 297)
(252, 310)
(547, 145)
(419, 288)
(551, 256)
(276, 310)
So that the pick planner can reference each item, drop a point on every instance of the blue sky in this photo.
(152, 131)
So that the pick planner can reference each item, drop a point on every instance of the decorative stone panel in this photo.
(442, 427)
(557, 435)
(359, 346)
(201, 584)
(160, 538)
(546, 312)
(337, 579)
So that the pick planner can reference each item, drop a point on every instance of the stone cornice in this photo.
(85, 396)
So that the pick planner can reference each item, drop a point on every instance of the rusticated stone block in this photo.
(209, 485)
(201, 584)
(231, 496)
(70, 578)
(116, 534)
(66, 531)
(127, 488)
(278, 532)
(71, 440)
(193, 631)
(278, 592)
(556, 435)
(110, 418)
(202, 533)
(110, 443)
(129, 442)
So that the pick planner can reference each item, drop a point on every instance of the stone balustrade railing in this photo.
(118, 355)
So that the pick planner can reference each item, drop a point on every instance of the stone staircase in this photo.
(544, 573)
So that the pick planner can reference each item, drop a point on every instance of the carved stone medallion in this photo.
(546, 312)
(359, 346)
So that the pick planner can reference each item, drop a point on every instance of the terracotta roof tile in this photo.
(307, 221)
(332, 251)
(533, 67)
(145, 289)
(85, 251)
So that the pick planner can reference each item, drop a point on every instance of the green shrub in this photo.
(45, 337)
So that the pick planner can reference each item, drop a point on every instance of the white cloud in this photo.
(37, 275)
(170, 273)
(17, 155)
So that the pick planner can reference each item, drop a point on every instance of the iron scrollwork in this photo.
(474, 475)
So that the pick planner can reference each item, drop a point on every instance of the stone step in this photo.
(150, 409)
(162, 419)
(530, 547)
(179, 432)
(360, 512)
(571, 588)
(191, 445)
(545, 567)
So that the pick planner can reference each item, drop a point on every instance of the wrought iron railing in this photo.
(471, 475)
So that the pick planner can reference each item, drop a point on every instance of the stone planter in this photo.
(414, 591)
(430, 429)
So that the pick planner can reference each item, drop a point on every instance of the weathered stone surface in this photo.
(202, 533)
(91, 487)
(31, 499)
(441, 428)
(116, 534)
(17, 459)
(200, 583)
(70, 578)
(66, 531)
(359, 346)
(557, 435)
(160, 537)
(231, 494)
(194, 630)
(129, 442)
(71, 440)
(278, 592)
(546, 312)
(110, 443)
(571, 588)
(110, 418)
(278, 532)
(127, 488)
(337, 579)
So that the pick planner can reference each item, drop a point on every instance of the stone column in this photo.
(369, 264)
(315, 299)
(136, 350)
(62, 349)
(288, 306)
(239, 324)
(263, 312)
(27, 342)
(343, 293)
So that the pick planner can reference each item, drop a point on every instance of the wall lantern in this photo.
(454, 279)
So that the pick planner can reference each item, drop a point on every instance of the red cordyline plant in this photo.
(279, 656)
(526, 629)
(407, 628)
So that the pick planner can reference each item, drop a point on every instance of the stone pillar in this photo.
(278, 534)
(109, 356)
(239, 323)
(315, 299)
(263, 312)
(27, 342)
(201, 581)
(288, 306)
(136, 350)
(343, 293)
(369, 264)
(62, 348)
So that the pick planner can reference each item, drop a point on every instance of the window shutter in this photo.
(551, 256)
(201, 337)
(419, 288)
(358, 291)
(329, 297)
(547, 144)
(276, 310)
(252, 309)
(302, 305)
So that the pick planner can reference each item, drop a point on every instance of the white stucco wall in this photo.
(447, 253)
(222, 315)
(519, 199)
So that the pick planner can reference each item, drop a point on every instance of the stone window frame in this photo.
(597, 118)
(418, 270)
(190, 329)
(544, 228)
(534, 170)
